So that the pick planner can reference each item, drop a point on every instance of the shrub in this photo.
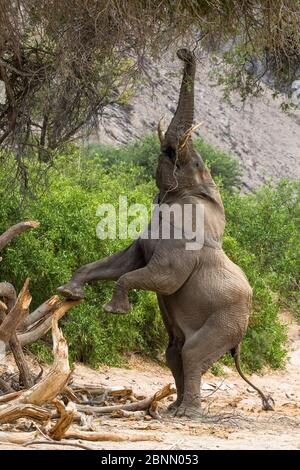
(144, 153)
(261, 237)
(266, 336)
(267, 224)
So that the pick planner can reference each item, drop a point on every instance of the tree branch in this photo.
(42, 328)
(16, 314)
(15, 230)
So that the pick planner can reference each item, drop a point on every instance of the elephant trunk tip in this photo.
(186, 55)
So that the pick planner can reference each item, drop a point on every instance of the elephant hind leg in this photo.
(266, 401)
(174, 361)
(200, 350)
(173, 351)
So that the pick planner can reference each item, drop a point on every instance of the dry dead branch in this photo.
(15, 230)
(128, 414)
(46, 308)
(166, 391)
(140, 405)
(13, 411)
(17, 309)
(42, 328)
(108, 436)
(55, 381)
(29, 402)
(10, 396)
(58, 443)
(26, 378)
(98, 390)
(67, 415)
(17, 437)
(70, 395)
(16, 314)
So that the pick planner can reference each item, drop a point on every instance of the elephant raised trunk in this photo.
(182, 121)
(204, 298)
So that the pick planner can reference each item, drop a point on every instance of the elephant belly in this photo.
(220, 289)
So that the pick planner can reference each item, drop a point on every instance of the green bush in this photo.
(266, 336)
(67, 239)
(144, 153)
(261, 237)
(267, 224)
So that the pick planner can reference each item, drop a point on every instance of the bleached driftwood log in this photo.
(29, 402)
(16, 310)
(150, 403)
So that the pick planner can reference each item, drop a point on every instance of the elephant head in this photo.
(180, 167)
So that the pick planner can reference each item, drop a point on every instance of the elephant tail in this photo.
(267, 402)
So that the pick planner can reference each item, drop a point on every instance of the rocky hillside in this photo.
(259, 134)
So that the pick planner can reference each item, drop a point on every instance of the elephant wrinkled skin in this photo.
(204, 298)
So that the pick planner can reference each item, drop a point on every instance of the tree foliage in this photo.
(62, 61)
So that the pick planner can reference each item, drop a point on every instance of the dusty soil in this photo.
(234, 416)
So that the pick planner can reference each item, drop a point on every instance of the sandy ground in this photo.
(235, 419)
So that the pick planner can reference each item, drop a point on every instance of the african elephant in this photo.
(204, 298)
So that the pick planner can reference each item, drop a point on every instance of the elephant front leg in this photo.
(160, 275)
(119, 302)
(110, 268)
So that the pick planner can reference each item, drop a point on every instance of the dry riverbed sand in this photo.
(235, 418)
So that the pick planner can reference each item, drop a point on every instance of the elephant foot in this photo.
(71, 291)
(172, 408)
(118, 306)
(189, 411)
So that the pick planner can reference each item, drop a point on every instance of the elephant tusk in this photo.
(187, 135)
(160, 129)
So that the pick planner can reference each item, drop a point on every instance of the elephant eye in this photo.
(171, 153)
(198, 165)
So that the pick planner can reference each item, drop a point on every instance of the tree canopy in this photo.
(63, 61)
